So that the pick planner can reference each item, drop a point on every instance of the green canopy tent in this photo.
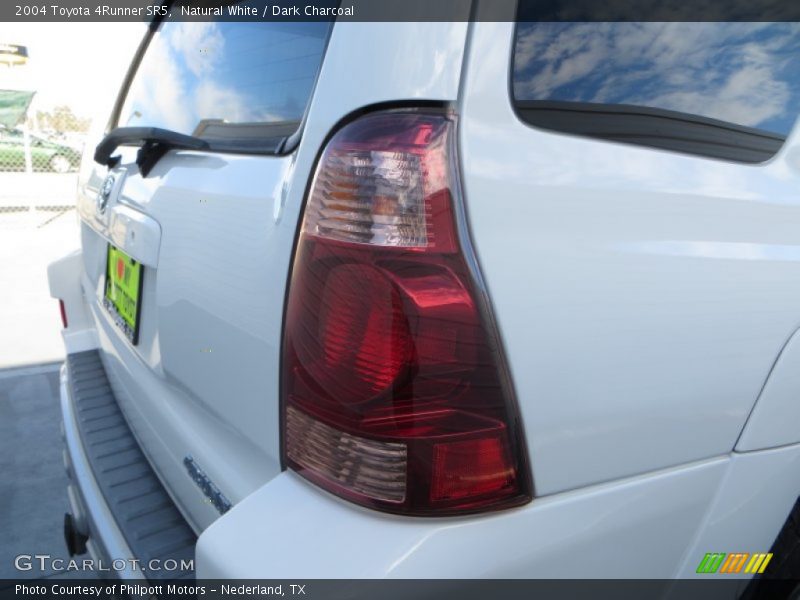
(14, 106)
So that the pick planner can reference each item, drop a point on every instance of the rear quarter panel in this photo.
(642, 295)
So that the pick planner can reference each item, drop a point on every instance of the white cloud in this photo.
(200, 45)
(214, 101)
(161, 89)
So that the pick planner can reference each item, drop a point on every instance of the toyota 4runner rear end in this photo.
(354, 299)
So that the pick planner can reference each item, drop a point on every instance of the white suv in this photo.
(354, 299)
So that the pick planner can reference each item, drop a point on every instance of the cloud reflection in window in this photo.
(743, 73)
(195, 73)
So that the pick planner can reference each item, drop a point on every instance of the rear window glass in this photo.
(729, 90)
(237, 84)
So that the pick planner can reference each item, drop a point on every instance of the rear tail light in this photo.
(392, 390)
(63, 313)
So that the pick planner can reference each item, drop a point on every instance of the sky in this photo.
(77, 64)
(744, 73)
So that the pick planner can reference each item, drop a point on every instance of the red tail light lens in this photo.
(392, 393)
(63, 313)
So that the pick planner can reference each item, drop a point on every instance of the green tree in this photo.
(62, 119)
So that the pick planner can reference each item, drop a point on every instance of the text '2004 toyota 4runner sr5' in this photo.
(354, 297)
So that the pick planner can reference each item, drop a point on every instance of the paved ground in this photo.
(33, 496)
(37, 189)
(30, 324)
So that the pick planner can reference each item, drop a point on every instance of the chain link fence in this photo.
(47, 142)
(39, 161)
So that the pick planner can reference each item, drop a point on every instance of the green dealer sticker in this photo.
(123, 291)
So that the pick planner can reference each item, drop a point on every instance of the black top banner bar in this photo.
(398, 10)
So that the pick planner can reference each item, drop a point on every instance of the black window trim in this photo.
(282, 146)
(653, 127)
(689, 134)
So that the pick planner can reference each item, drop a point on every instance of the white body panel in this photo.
(642, 295)
(64, 277)
(755, 496)
(776, 415)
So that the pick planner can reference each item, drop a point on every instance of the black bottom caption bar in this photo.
(75, 589)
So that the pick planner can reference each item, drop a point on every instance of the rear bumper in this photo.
(134, 529)
(89, 509)
(640, 528)
(656, 526)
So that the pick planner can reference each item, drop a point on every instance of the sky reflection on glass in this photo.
(235, 72)
(743, 73)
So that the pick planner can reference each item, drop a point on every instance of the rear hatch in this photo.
(192, 359)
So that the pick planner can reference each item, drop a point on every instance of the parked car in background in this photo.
(46, 155)
(498, 299)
